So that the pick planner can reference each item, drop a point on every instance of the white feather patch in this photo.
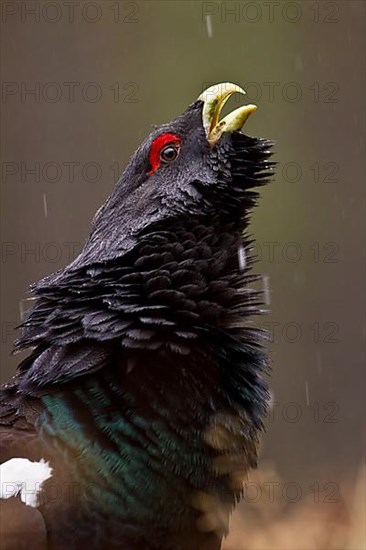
(24, 477)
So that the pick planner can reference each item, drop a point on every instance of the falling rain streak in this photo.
(266, 294)
(45, 205)
(241, 257)
(209, 26)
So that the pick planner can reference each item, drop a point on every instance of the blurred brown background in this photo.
(82, 83)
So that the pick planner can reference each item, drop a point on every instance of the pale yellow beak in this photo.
(214, 99)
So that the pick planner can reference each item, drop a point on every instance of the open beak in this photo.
(214, 99)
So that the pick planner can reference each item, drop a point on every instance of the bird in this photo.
(137, 413)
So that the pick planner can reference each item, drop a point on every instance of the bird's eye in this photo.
(169, 152)
(164, 149)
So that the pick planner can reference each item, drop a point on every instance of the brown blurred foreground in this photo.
(332, 522)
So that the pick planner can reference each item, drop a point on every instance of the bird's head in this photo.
(196, 165)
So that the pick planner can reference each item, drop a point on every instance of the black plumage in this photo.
(145, 389)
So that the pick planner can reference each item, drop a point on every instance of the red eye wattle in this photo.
(164, 149)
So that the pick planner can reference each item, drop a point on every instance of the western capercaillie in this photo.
(136, 416)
